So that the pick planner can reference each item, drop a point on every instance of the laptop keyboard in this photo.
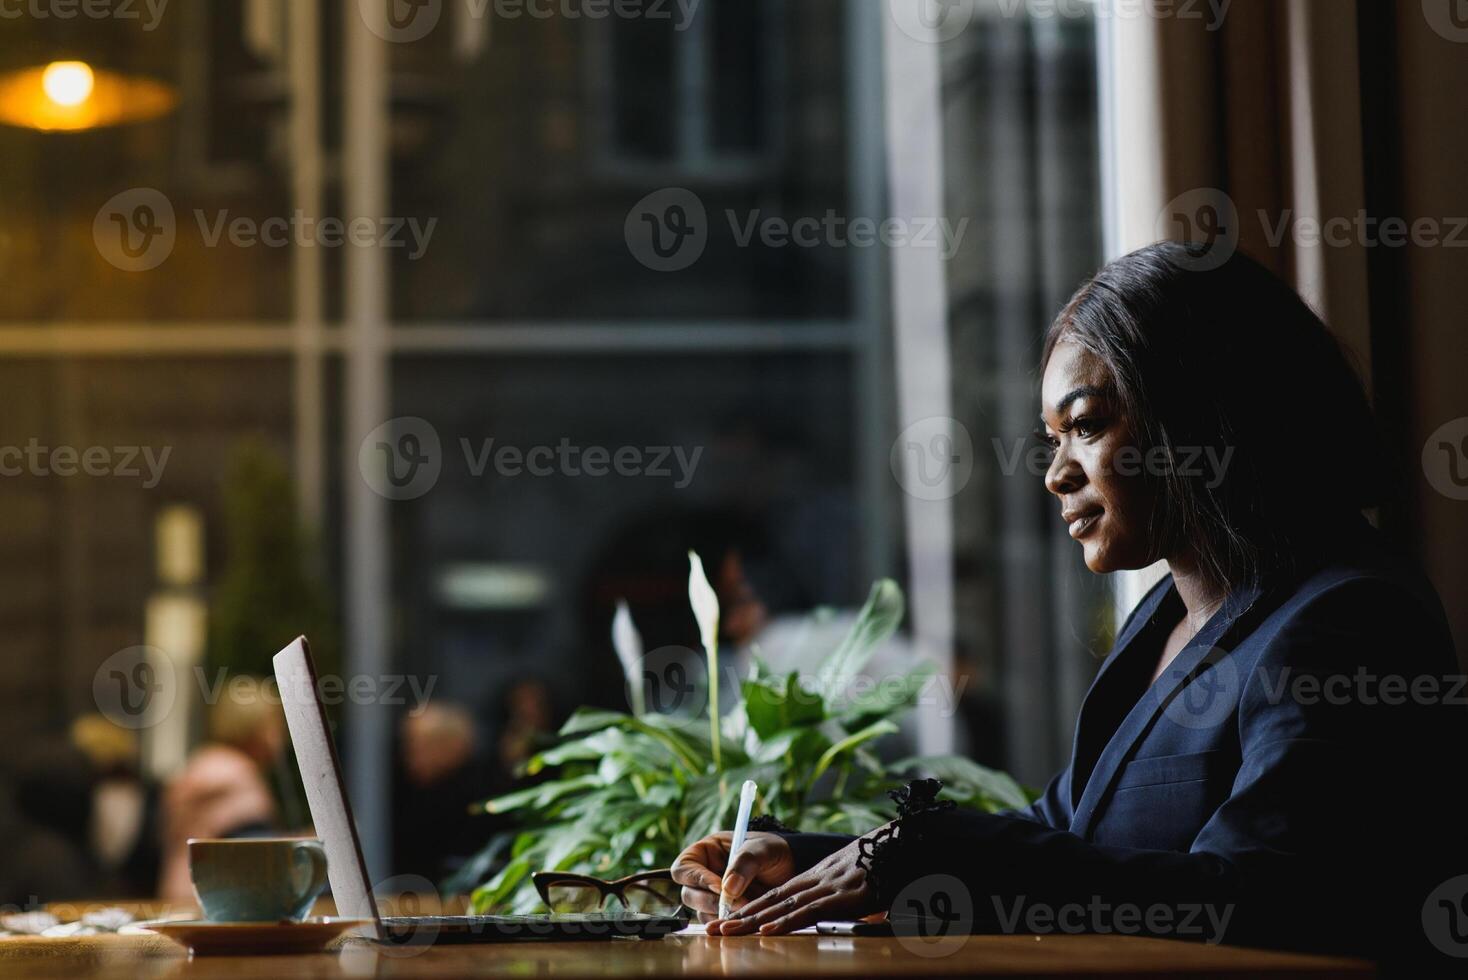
(511, 920)
(420, 930)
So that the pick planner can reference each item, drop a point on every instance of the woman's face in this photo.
(1103, 496)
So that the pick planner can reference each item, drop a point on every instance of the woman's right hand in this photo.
(764, 862)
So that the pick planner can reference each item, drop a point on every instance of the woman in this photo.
(1239, 761)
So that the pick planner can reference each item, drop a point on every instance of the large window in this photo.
(661, 242)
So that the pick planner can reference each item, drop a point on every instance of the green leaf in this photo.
(662, 795)
(878, 619)
(540, 795)
(495, 892)
(967, 780)
(784, 703)
(849, 743)
(803, 746)
(572, 843)
(849, 818)
(690, 744)
(592, 719)
(595, 746)
(887, 698)
(477, 868)
(666, 729)
(627, 838)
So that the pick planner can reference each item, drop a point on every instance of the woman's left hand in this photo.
(834, 889)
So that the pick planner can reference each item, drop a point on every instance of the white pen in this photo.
(741, 830)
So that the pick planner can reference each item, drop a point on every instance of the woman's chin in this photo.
(1096, 560)
(1103, 557)
(1099, 558)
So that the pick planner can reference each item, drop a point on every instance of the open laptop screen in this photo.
(331, 812)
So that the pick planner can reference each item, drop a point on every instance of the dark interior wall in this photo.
(1432, 106)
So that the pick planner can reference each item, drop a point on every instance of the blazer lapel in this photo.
(1095, 722)
(1202, 652)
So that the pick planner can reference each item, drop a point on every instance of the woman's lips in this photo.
(1083, 525)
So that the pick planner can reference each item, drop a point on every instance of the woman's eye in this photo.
(1086, 428)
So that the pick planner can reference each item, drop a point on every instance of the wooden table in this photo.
(141, 957)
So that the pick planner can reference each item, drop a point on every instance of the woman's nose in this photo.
(1064, 475)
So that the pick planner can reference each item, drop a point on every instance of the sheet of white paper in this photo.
(697, 929)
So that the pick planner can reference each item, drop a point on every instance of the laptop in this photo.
(331, 812)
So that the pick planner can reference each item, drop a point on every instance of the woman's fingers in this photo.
(701, 865)
(805, 914)
(750, 919)
(756, 860)
(701, 900)
(778, 895)
(835, 888)
(705, 872)
(765, 860)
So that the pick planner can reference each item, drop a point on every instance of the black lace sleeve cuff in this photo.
(890, 856)
(769, 824)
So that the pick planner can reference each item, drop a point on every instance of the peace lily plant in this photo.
(630, 791)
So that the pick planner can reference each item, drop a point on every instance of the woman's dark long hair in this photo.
(1230, 361)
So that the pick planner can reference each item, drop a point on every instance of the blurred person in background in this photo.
(44, 848)
(528, 725)
(124, 838)
(441, 772)
(224, 788)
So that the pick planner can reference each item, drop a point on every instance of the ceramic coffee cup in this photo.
(257, 879)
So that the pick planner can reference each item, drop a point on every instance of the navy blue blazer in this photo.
(1292, 780)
